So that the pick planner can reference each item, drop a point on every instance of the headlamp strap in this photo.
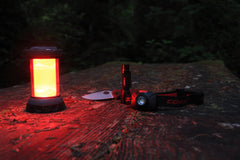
(179, 97)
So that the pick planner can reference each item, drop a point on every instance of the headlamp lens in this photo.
(141, 100)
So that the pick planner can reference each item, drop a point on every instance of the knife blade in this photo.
(103, 95)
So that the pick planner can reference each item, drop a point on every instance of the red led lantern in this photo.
(44, 72)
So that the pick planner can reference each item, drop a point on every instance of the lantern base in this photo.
(45, 105)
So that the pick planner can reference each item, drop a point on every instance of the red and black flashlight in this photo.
(126, 85)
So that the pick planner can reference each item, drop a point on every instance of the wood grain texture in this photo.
(111, 130)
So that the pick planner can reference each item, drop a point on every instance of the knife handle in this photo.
(116, 93)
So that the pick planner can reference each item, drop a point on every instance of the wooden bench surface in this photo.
(111, 130)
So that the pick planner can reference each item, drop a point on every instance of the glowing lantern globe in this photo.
(44, 72)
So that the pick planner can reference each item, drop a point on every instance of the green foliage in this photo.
(193, 53)
(203, 29)
(112, 29)
(92, 32)
(158, 51)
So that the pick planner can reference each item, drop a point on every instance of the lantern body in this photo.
(44, 73)
(44, 77)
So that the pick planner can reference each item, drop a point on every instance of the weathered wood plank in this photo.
(110, 130)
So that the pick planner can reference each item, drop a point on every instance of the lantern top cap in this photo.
(44, 52)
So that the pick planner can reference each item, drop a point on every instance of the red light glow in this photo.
(44, 77)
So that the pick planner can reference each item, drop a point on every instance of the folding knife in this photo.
(107, 94)
(103, 95)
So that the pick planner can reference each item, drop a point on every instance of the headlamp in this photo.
(147, 100)
(141, 100)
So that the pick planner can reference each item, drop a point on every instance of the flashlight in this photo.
(126, 84)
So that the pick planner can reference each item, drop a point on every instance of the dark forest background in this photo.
(92, 32)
